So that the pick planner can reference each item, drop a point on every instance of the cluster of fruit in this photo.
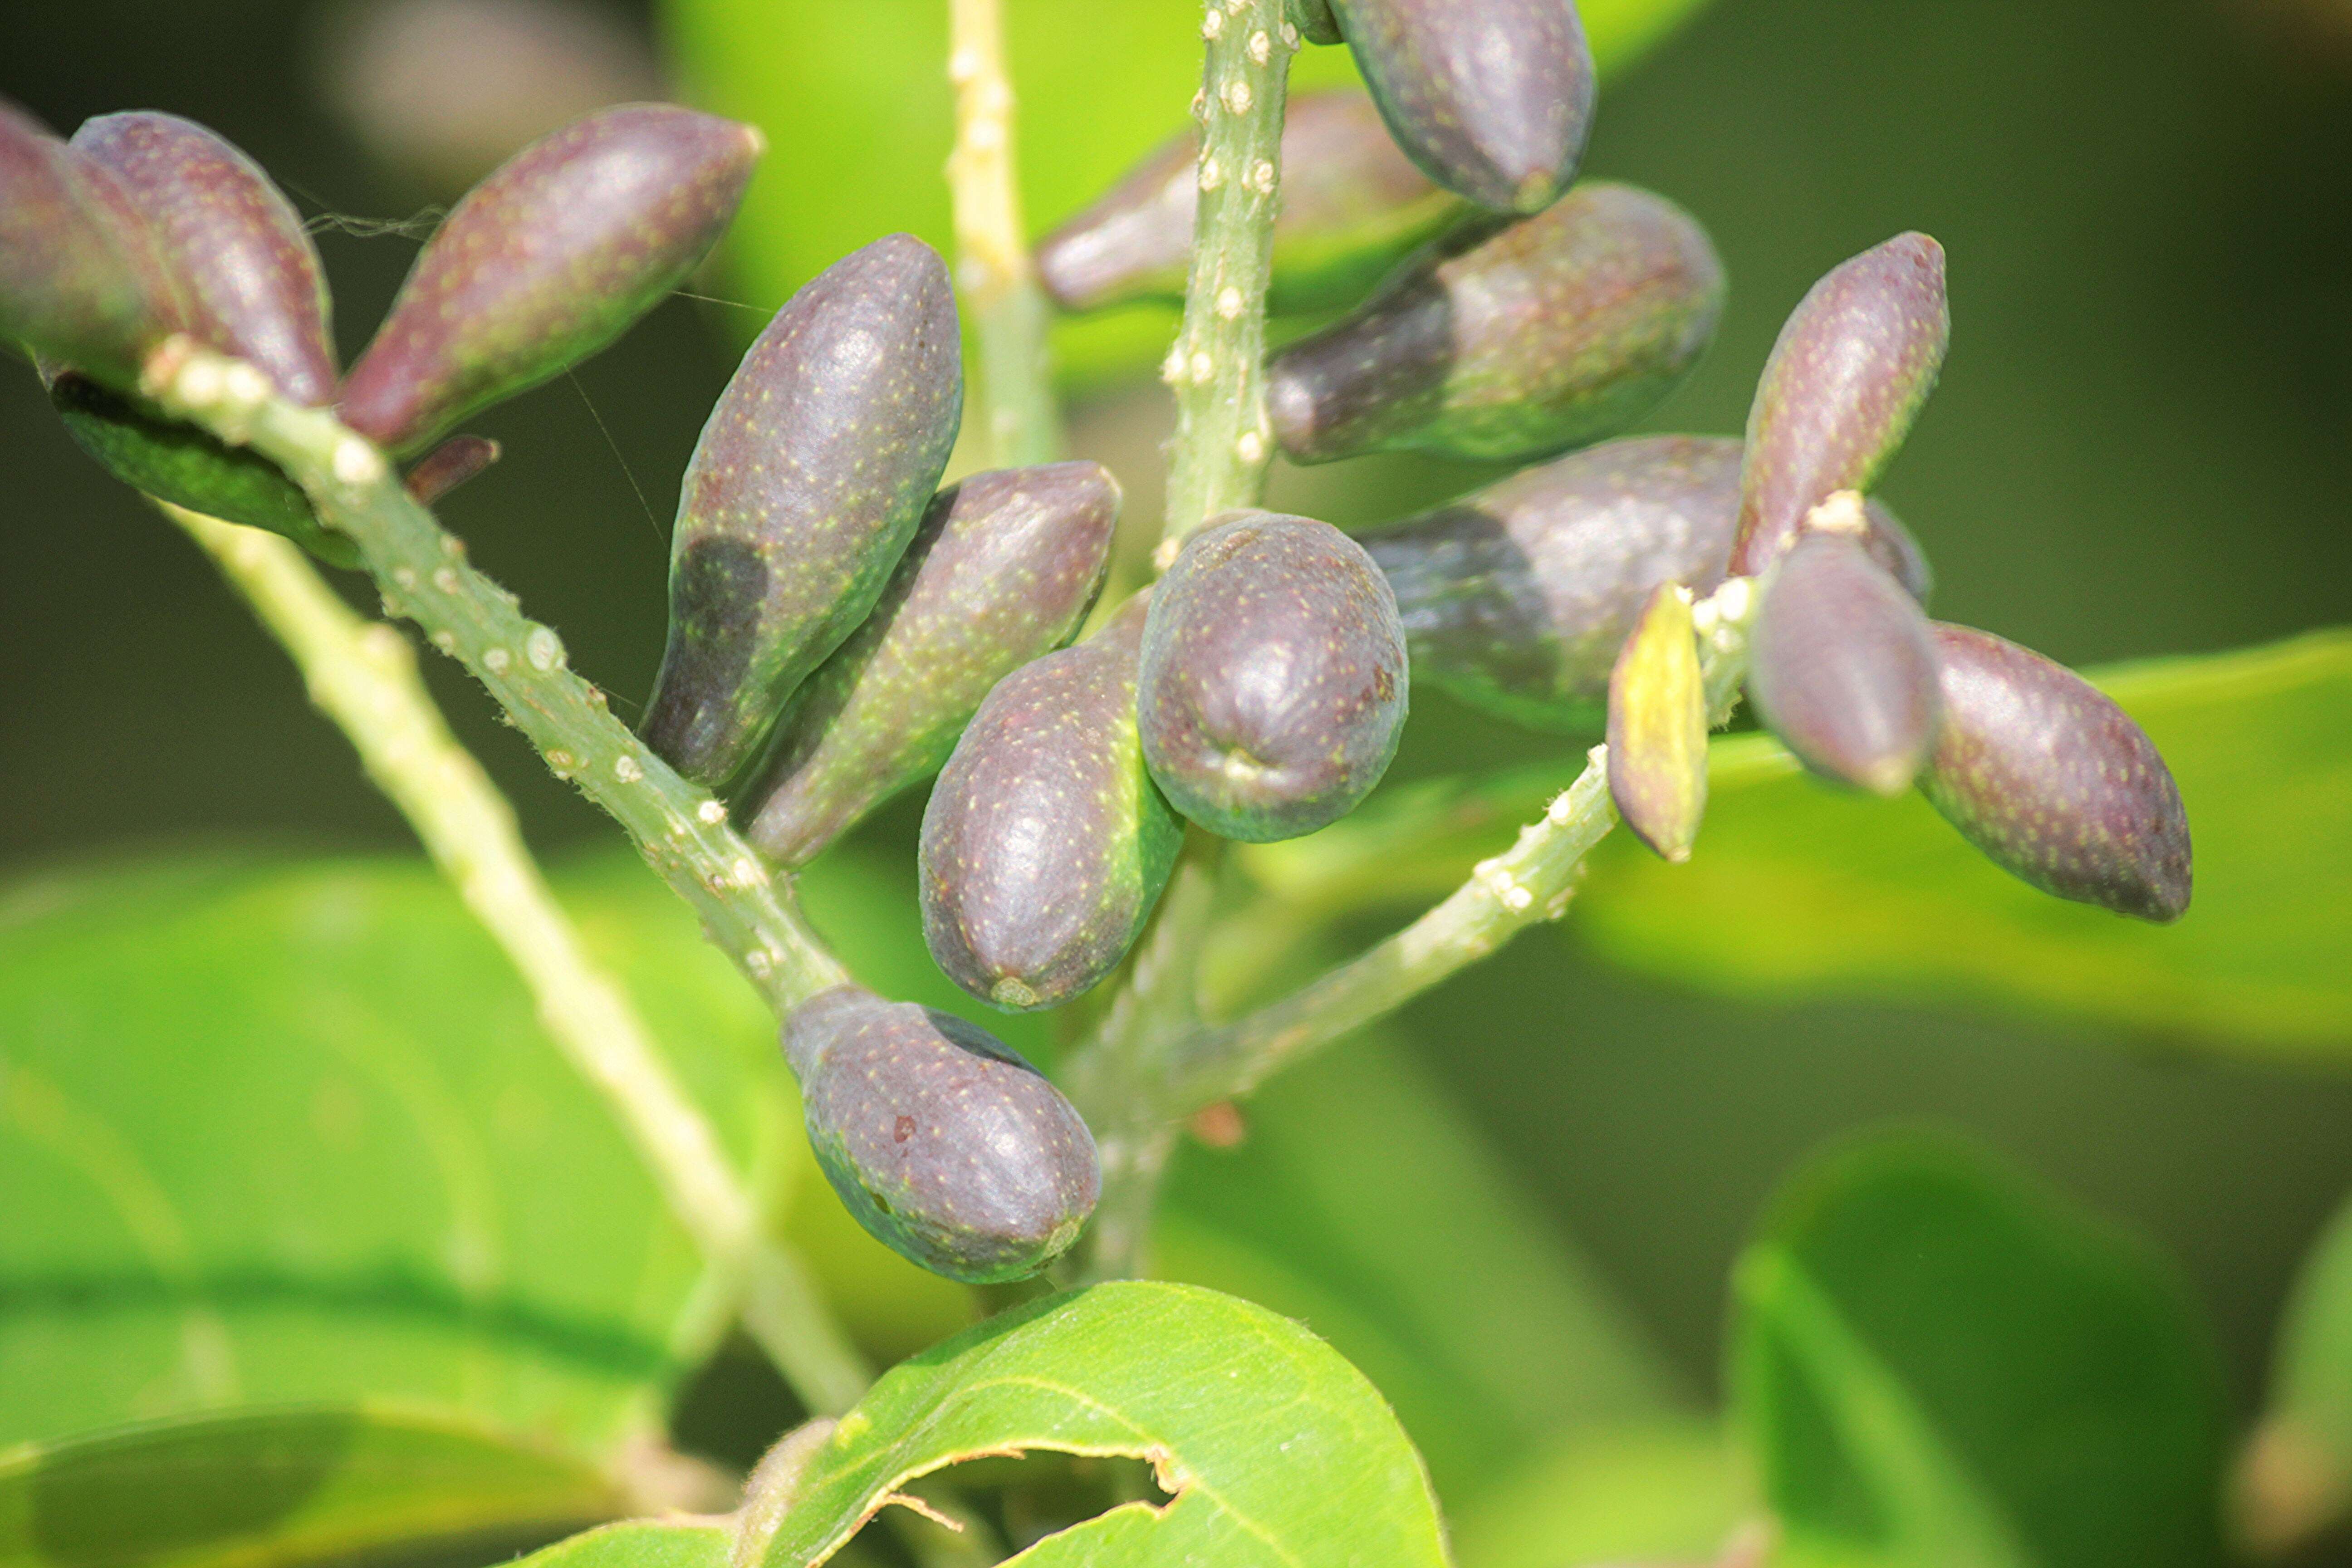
(842, 627)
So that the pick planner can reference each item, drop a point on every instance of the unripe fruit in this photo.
(1273, 686)
(1516, 598)
(81, 281)
(246, 271)
(948, 1147)
(251, 285)
(545, 262)
(1657, 728)
(1045, 844)
(1492, 97)
(1002, 571)
(1854, 361)
(1351, 205)
(449, 465)
(803, 491)
(1314, 21)
(1843, 669)
(2053, 782)
(1509, 344)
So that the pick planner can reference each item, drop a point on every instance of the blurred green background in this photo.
(2143, 444)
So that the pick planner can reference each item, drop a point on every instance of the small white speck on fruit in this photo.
(626, 770)
(356, 463)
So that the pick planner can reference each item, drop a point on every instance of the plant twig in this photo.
(1224, 439)
(992, 263)
(681, 830)
(362, 675)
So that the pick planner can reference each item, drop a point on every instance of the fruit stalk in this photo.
(992, 268)
(362, 675)
(1217, 368)
(421, 571)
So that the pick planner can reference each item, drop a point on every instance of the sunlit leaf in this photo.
(1937, 1364)
(312, 1485)
(1271, 1447)
(1664, 1492)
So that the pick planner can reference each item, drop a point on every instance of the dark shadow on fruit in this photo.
(721, 591)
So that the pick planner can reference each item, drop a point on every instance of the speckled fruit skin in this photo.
(1842, 666)
(1273, 686)
(1516, 598)
(1002, 571)
(1512, 344)
(1505, 128)
(1854, 361)
(1352, 205)
(948, 1147)
(803, 493)
(2053, 782)
(81, 281)
(546, 261)
(1046, 843)
(245, 267)
(252, 287)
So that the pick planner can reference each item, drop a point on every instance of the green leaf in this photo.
(642, 1543)
(1273, 1448)
(286, 1487)
(2296, 1476)
(276, 1133)
(859, 117)
(1940, 1364)
(1799, 890)
(1661, 1492)
(1363, 1203)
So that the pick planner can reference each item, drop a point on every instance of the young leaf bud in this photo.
(1509, 344)
(1843, 669)
(81, 281)
(548, 259)
(1046, 843)
(449, 465)
(804, 489)
(1002, 571)
(1273, 684)
(949, 1148)
(1516, 598)
(2053, 782)
(247, 270)
(1351, 205)
(1854, 361)
(1657, 728)
(1492, 97)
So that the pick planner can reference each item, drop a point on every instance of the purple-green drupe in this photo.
(1274, 685)
(1516, 597)
(2056, 783)
(1854, 363)
(449, 465)
(546, 261)
(805, 488)
(1841, 666)
(1352, 205)
(1509, 343)
(949, 1148)
(1002, 571)
(1492, 97)
(245, 267)
(1046, 843)
(252, 287)
(82, 284)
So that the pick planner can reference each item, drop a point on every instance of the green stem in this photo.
(1223, 440)
(362, 675)
(681, 830)
(993, 269)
